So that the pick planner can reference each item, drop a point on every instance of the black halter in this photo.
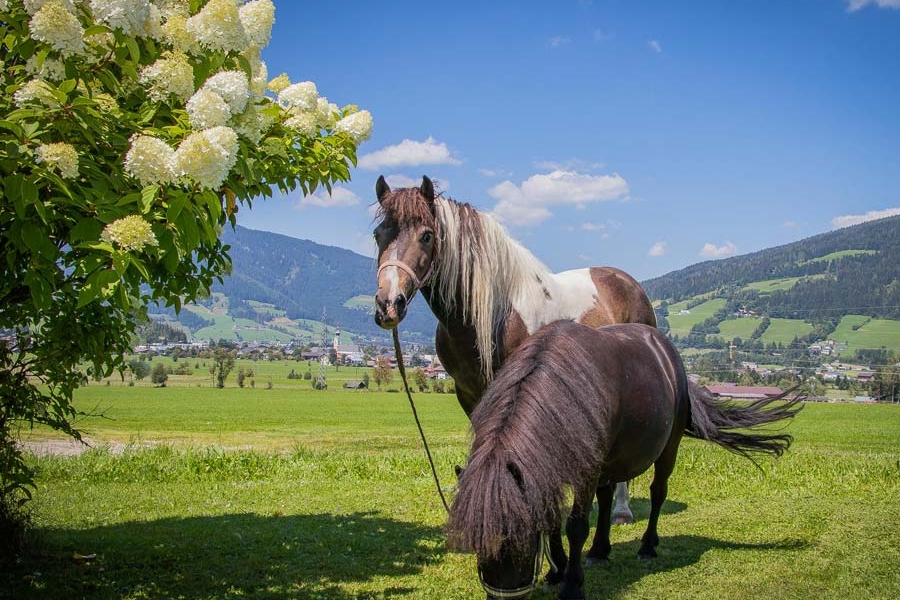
(513, 594)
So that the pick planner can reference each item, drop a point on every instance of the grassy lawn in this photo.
(742, 328)
(287, 493)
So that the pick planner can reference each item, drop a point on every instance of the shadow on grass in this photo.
(230, 556)
(675, 552)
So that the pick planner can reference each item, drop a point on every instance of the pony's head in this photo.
(407, 244)
(493, 516)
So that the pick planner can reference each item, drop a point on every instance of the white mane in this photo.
(484, 271)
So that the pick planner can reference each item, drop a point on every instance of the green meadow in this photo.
(195, 492)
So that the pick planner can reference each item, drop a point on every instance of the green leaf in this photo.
(148, 196)
(98, 284)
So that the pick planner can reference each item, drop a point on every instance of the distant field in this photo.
(742, 328)
(837, 255)
(871, 333)
(681, 324)
(781, 284)
(785, 330)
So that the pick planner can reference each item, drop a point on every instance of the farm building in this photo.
(744, 392)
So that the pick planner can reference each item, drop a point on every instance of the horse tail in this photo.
(718, 421)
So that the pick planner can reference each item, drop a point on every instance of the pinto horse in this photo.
(487, 291)
(580, 408)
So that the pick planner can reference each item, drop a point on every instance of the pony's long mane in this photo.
(539, 428)
(483, 271)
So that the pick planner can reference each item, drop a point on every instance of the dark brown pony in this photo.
(487, 291)
(580, 408)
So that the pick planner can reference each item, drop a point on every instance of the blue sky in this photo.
(647, 135)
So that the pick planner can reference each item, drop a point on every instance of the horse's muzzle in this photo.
(390, 311)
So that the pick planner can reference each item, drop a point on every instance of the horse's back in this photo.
(645, 390)
(616, 297)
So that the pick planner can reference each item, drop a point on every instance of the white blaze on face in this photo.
(572, 294)
(390, 276)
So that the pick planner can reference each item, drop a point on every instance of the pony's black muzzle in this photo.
(389, 312)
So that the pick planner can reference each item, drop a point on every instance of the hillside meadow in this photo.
(195, 492)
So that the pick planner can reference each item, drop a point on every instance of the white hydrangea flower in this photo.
(32, 6)
(257, 17)
(60, 156)
(207, 156)
(35, 90)
(131, 233)
(3, 5)
(357, 125)
(326, 112)
(232, 86)
(170, 8)
(304, 123)
(175, 33)
(251, 124)
(149, 160)
(280, 83)
(53, 24)
(172, 73)
(301, 95)
(127, 15)
(206, 109)
(218, 26)
(51, 69)
(152, 26)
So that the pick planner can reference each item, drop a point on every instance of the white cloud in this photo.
(848, 220)
(789, 224)
(339, 196)
(495, 173)
(713, 251)
(854, 5)
(559, 40)
(409, 153)
(655, 46)
(530, 202)
(657, 249)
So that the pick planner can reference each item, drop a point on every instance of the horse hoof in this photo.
(590, 561)
(623, 519)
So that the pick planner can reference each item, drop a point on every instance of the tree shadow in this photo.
(228, 556)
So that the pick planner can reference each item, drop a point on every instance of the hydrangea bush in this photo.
(131, 131)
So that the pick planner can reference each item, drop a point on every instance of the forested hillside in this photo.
(855, 270)
(306, 280)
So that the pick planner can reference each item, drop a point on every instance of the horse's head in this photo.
(407, 244)
(515, 571)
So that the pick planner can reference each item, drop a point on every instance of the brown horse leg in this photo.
(577, 529)
(662, 469)
(599, 552)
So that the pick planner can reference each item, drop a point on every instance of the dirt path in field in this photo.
(70, 447)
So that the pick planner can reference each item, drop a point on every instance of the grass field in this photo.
(681, 324)
(857, 331)
(296, 494)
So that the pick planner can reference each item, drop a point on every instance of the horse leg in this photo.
(577, 530)
(558, 556)
(622, 514)
(599, 552)
(662, 469)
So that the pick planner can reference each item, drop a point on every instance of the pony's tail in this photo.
(717, 420)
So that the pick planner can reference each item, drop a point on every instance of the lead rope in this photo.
(412, 405)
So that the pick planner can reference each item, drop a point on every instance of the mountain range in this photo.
(818, 280)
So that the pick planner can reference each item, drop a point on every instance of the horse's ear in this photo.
(381, 188)
(427, 189)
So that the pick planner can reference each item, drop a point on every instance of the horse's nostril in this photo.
(400, 304)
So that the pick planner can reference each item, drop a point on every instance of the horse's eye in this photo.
(426, 237)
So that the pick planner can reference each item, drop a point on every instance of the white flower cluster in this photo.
(35, 90)
(150, 160)
(60, 156)
(127, 15)
(131, 233)
(357, 125)
(54, 24)
(207, 156)
(172, 73)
